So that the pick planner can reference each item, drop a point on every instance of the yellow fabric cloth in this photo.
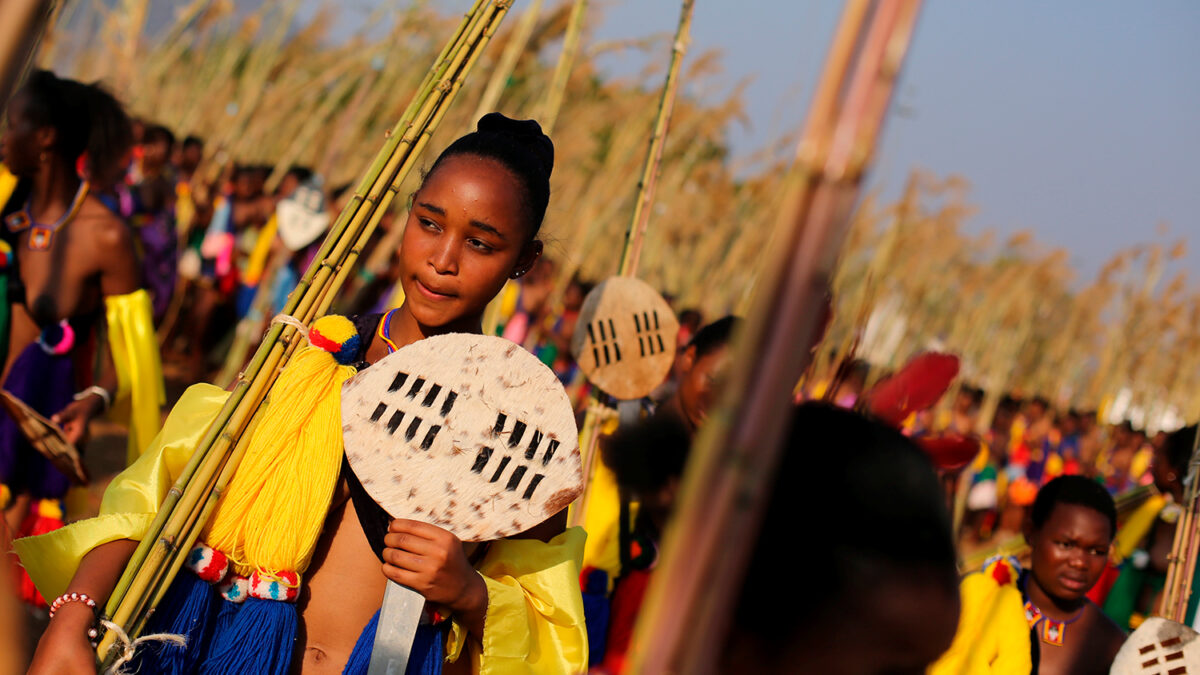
(1135, 528)
(1139, 466)
(534, 622)
(185, 208)
(131, 500)
(262, 250)
(603, 518)
(993, 635)
(8, 183)
(602, 522)
(397, 297)
(140, 394)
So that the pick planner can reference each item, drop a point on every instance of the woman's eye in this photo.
(429, 224)
(480, 245)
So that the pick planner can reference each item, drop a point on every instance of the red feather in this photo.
(918, 385)
(950, 452)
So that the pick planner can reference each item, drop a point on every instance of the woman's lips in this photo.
(1073, 584)
(431, 293)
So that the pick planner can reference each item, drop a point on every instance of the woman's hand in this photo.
(431, 561)
(75, 417)
(64, 647)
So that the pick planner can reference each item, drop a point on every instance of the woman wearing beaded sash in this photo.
(71, 272)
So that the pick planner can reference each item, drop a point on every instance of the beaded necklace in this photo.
(385, 330)
(41, 236)
(1053, 632)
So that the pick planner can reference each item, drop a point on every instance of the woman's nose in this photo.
(444, 258)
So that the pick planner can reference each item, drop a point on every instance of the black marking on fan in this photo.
(416, 387)
(500, 469)
(398, 382)
(661, 348)
(481, 460)
(430, 436)
(514, 480)
(549, 452)
(412, 428)
(514, 439)
(431, 395)
(532, 486)
(656, 320)
(533, 444)
(379, 410)
(501, 420)
(394, 423)
(448, 403)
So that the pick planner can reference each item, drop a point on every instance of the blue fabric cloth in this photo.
(428, 650)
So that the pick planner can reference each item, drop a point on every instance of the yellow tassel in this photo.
(273, 509)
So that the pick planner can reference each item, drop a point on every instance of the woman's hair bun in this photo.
(521, 147)
(527, 132)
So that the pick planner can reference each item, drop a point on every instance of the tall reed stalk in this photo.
(552, 104)
(728, 476)
(634, 236)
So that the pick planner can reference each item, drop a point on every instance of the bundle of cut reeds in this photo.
(191, 501)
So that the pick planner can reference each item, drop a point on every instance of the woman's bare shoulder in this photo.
(105, 229)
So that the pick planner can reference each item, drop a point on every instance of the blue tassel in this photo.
(428, 650)
(360, 658)
(187, 609)
(260, 640)
(221, 626)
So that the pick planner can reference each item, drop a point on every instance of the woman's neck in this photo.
(54, 188)
(1055, 608)
(405, 330)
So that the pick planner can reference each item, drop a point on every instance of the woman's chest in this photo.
(60, 282)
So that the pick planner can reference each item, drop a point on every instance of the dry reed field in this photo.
(911, 277)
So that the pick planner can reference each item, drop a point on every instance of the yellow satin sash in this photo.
(257, 262)
(534, 622)
(993, 635)
(8, 183)
(140, 394)
(1136, 528)
(131, 500)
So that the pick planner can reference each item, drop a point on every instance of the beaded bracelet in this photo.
(63, 599)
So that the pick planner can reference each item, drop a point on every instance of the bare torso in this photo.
(88, 257)
(1089, 646)
(342, 589)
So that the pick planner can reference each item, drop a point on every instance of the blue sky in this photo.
(1074, 118)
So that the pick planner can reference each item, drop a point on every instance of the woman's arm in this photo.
(64, 647)
(118, 274)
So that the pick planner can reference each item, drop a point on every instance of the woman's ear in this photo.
(45, 137)
(529, 255)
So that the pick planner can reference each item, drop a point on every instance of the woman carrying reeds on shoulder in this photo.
(69, 272)
(512, 608)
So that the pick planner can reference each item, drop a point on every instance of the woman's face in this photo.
(467, 232)
(19, 146)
